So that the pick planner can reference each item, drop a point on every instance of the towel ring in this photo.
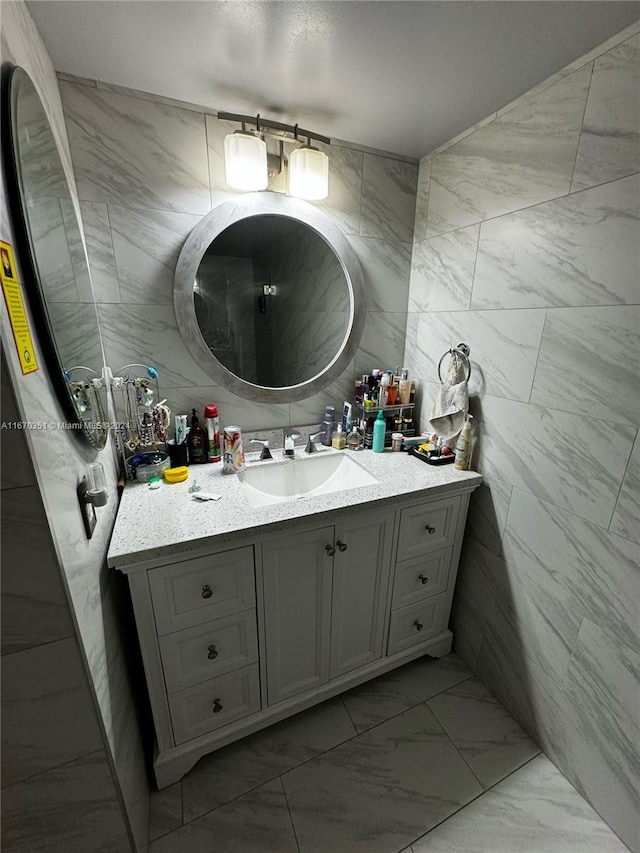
(461, 349)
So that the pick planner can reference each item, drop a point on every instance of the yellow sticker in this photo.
(16, 309)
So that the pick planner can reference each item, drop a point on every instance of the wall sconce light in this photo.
(245, 155)
(245, 161)
(308, 173)
(92, 492)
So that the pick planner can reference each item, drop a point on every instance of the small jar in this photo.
(396, 441)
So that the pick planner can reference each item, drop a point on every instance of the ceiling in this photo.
(398, 76)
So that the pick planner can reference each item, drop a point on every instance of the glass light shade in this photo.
(96, 484)
(308, 173)
(245, 160)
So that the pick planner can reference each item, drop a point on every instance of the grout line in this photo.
(535, 369)
(580, 132)
(472, 310)
(475, 266)
(208, 148)
(615, 503)
(115, 260)
(100, 751)
(486, 791)
(558, 197)
(324, 752)
(344, 705)
(293, 826)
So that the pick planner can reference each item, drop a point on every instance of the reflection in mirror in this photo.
(60, 291)
(272, 301)
(270, 298)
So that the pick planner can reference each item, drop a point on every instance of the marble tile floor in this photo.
(420, 760)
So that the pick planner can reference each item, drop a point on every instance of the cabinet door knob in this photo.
(330, 550)
(213, 652)
(423, 579)
(430, 530)
(217, 706)
(207, 592)
(419, 625)
(341, 546)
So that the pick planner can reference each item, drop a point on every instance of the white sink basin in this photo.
(316, 474)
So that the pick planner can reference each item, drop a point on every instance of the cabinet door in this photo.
(360, 579)
(297, 606)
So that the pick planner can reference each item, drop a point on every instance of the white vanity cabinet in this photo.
(237, 636)
(325, 596)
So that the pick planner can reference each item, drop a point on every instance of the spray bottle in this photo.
(212, 424)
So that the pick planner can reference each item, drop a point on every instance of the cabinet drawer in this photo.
(197, 654)
(427, 527)
(215, 703)
(405, 631)
(421, 578)
(196, 591)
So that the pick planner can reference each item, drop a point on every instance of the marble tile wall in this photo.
(526, 247)
(71, 755)
(154, 170)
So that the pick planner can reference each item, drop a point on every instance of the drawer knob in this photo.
(430, 530)
(419, 625)
(217, 706)
(341, 546)
(423, 579)
(213, 652)
(207, 592)
(330, 550)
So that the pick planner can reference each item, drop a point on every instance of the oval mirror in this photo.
(53, 260)
(269, 298)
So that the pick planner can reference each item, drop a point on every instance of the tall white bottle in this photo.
(463, 447)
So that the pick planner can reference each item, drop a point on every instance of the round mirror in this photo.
(269, 297)
(53, 260)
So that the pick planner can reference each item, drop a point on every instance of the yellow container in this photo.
(176, 475)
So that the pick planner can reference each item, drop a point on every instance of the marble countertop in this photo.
(169, 520)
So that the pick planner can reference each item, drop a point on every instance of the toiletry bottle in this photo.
(463, 447)
(368, 432)
(213, 432)
(392, 393)
(197, 441)
(384, 388)
(379, 430)
(404, 386)
(328, 425)
(339, 439)
(374, 379)
(354, 439)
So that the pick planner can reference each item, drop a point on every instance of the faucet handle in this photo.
(311, 445)
(266, 453)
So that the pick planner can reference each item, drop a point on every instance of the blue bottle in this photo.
(379, 430)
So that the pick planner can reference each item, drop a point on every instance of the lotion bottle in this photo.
(463, 447)
(404, 386)
(379, 430)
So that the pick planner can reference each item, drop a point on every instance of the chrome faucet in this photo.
(290, 443)
(266, 453)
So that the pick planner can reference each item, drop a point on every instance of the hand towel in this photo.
(452, 401)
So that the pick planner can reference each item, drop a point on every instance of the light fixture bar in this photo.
(262, 123)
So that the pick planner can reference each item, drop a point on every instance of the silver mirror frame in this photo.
(212, 225)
